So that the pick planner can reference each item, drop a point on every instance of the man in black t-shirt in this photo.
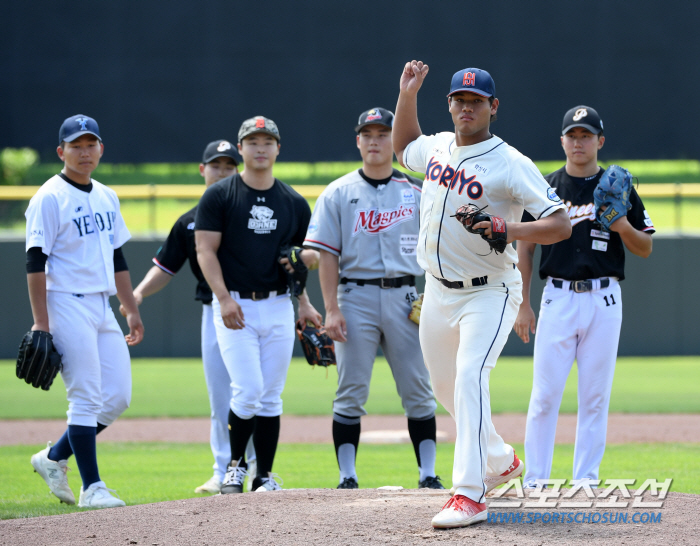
(219, 161)
(581, 311)
(242, 223)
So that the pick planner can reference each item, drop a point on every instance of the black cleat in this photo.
(431, 482)
(233, 480)
(348, 483)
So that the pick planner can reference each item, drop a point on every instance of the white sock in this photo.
(346, 461)
(427, 450)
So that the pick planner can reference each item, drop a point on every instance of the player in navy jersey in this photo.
(581, 310)
(242, 224)
(219, 161)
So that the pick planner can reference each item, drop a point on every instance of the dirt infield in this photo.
(332, 517)
(622, 429)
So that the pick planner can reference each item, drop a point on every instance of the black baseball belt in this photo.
(261, 294)
(580, 286)
(396, 282)
(476, 281)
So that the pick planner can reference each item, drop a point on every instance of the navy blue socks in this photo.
(82, 442)
(61, 450)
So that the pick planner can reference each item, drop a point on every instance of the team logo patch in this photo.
(223, 146)
(469, 79)
(190, 225)
(262, 221)
(83, 123)
(373, 115)
(552, 195)
(375, 221)
(407, 196)
(580, 113)
(313, 227)
(499, 224)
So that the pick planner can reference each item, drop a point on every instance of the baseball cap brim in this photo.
(373, 122)
(71, 138)
(261, 132)
(217, 156)
(584, 125)
(470, 90)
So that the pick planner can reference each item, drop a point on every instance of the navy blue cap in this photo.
(473, 80)
(582, 116)
(375, 116)
(76, 126)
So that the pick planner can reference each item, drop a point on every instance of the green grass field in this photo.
(176, 388)
(146, 473)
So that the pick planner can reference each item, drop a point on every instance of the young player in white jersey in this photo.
(75, 232)
(365, 225)
(471, 295)
(242, 223)
(218, 162)
(581, 309)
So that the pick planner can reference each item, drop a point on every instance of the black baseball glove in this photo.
(38, 361)
(318, 347)
(612, 196)
(470, 215)
(297, 279)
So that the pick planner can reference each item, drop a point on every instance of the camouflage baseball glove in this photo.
(612, 196)
(470, 215)
(38, 361)
(297, 279)
(318, 347)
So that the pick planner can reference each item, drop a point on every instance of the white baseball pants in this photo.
(462, 333)
(257, 357)
(96, 361)
(572, 326)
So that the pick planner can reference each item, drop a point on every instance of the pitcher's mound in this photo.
(328, 517)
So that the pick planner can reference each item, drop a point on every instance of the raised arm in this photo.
(406, 128)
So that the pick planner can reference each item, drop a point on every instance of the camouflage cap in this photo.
(258, 124)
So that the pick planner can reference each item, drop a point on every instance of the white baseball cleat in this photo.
(272, 483)
(513, 471)
(460, 511)
(54, 474)
(99, 496)
(212, 485)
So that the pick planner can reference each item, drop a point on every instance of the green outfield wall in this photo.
(661, 300)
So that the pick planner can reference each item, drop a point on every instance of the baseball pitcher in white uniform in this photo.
(365, 224)
(75, 232)
(472, 292)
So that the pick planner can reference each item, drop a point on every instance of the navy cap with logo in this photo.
(258, 124)
(219, 148)
(375, 116)
(582, 116)
(473, 80)
(77, 126)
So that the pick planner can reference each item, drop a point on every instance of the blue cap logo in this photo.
(77, 126)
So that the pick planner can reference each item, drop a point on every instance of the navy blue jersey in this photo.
(590, 252)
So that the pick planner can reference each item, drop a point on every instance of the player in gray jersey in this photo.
(366, 226)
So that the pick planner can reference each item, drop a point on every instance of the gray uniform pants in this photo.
(377, 316)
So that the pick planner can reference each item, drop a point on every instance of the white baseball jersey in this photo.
(78, 231)
(373, 230)
(489, 174)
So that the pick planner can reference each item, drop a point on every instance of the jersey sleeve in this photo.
(638, 215)
(121, 232)
(324, 230)
(530, 188)
(172, 255)
(210, 212)
(416, 153)
(305, 217)
(42, 223)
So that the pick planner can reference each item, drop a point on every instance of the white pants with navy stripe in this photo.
(572, 326)
(257, 357)
(462, 333)
(96, 361)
